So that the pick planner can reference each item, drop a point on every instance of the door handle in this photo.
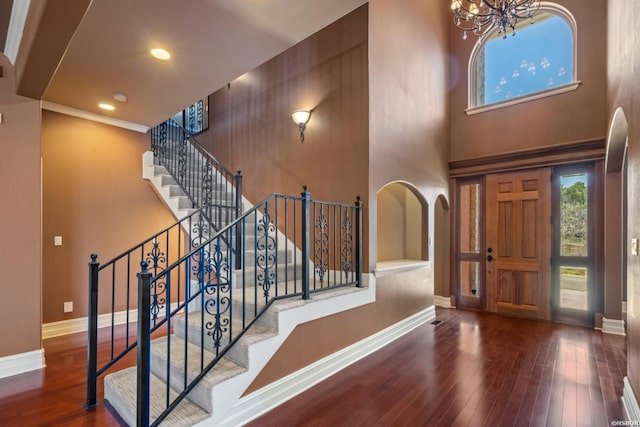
(489, 258)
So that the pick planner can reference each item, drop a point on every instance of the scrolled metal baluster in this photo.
(266, 247)
(321, 244)
(182, 158)
(156, 262)
(346, 246)
(220, 290)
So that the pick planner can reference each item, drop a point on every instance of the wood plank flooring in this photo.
(472, 369)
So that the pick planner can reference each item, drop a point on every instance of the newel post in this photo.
(306, 202)
(358, 242)
(92, 339)
(239, 233)
(144, 346)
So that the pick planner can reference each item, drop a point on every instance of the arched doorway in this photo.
(615, 224)
(441, 253)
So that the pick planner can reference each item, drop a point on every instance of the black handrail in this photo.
(206, 181)
(214, 294)
(202, 288)
(118, 276)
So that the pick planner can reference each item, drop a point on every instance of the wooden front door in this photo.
(518, 243)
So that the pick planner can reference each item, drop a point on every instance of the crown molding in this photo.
(63, 109)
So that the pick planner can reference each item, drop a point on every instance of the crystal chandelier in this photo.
(482, 16)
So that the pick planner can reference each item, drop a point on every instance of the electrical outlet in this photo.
(68, 307)
(57, 240)
(634, 247)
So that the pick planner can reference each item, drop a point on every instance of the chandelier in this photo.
(482, 16)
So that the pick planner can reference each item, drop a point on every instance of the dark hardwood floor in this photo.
(472, 369)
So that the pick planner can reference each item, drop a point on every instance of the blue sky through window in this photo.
(538, 57)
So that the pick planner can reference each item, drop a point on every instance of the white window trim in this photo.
(555, 9)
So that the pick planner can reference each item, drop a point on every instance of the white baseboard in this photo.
(267, 398)
(440, 301)
(629, 402)
(613, 326)
(80, 324)
(22, 362)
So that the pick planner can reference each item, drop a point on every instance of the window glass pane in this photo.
(538, 57)
(573, 288)
(470, 279)
(573, 215)
(469, 218)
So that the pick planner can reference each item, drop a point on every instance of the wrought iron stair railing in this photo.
(206, 181)
(118, 289)
(291, 246)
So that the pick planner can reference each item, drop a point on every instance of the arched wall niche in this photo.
(402, 223)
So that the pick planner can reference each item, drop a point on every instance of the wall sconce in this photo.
(300, 118)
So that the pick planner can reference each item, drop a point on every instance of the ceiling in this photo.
(105, 49)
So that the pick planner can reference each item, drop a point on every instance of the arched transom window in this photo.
(537, 60)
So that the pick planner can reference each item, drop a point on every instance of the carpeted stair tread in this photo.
(201, 394)
(121, 392)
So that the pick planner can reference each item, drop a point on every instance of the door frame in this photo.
(594, 259)
(462, 301)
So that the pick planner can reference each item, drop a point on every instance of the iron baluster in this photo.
(144, 347)
(321, 244)
(154, 259)
(347, 245)
(266, 251)
(92, 347)
(239, 228)
(306, 198)
(358, 242)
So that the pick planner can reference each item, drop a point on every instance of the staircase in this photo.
(210, 316)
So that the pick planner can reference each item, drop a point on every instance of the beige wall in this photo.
(574, 116)
(20, 226)
(95, 198)
(397, 297)
(623, 69)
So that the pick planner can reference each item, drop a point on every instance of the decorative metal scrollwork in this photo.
(157, 262)
(207, 186)
(321, 241)
(266, 255)
(346, 246)
(192, 125)
(159, 146)
(200, 231)
(182, 158)
(217, 294)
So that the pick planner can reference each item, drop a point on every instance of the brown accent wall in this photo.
(95, 198)
(251, 128)
(623, 90)
(408, 142)
(20, 227)
(574, 116)
(397, 297)
(408, 124)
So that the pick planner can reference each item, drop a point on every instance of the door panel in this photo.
(518, 235)
(469, 270)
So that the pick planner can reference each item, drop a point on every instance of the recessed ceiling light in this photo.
(120, 97)
(106, 106)
(160, 53)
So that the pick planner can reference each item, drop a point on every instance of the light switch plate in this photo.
(634, 247)
(57, 240)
